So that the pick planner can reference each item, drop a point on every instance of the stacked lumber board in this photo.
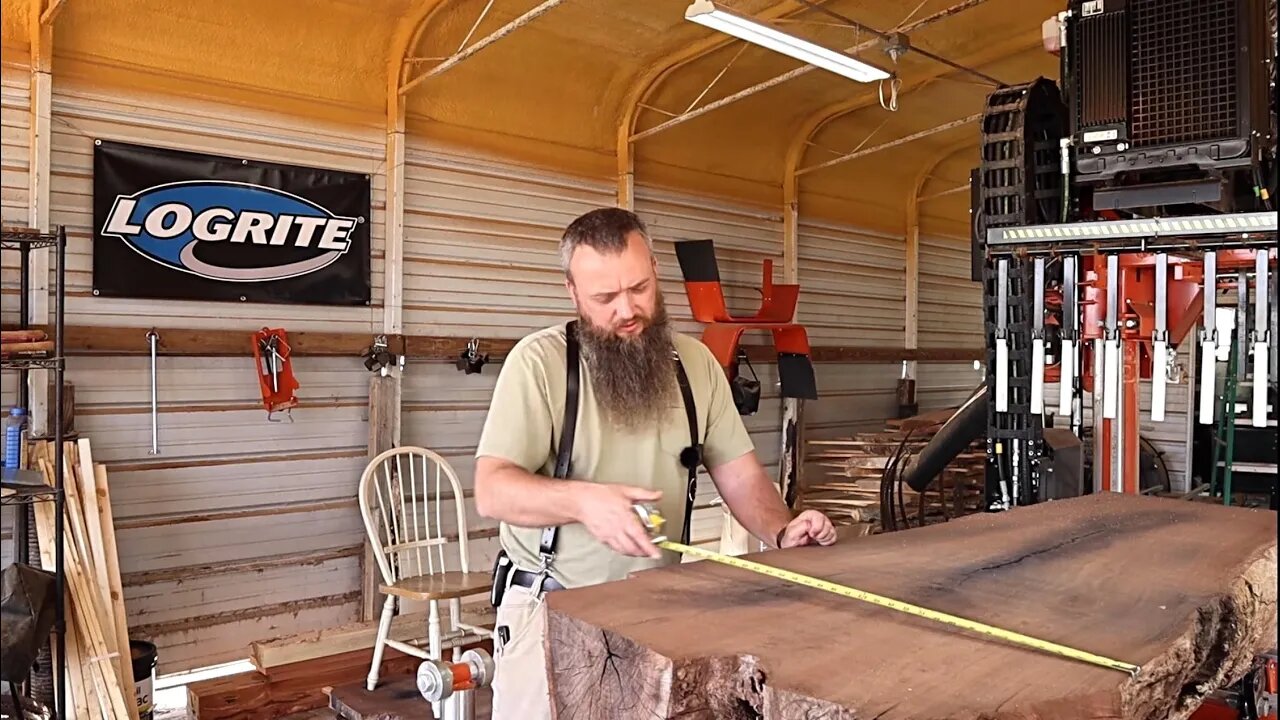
(850, 489)
(291, 688)
(1185, 591)
(99, 667)
(16, 344)
(292, 673)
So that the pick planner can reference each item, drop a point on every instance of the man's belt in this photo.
(527, 579)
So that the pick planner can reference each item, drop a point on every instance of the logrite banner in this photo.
(170, 224)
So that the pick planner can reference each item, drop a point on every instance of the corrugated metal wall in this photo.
(852, 293)
(950, 303)
(14, 181)
(950, 317)
(240, 528)
(852, 286)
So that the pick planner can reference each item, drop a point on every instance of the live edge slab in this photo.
(1185, 590)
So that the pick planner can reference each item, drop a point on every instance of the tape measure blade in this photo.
(906, 608)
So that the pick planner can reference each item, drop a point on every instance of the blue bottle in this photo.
(13, 436)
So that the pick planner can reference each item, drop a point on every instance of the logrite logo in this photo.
(229, 231)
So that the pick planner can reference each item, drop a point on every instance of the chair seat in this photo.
(440, 586)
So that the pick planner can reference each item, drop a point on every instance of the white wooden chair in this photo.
(403, 497)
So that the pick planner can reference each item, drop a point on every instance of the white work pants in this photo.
(520, 676)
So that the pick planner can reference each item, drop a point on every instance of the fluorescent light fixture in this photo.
(705, 12)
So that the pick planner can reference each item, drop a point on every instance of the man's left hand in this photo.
(808, 528)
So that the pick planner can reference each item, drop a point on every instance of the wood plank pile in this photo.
(1185, 591)
(850, 488)
(291, 688)
(99, 666)
(292, 673)
(16, 344)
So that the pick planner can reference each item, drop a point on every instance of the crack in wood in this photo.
(1026, 556)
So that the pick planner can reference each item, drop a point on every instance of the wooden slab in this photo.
(288, 689)
(390, 701)
(399, 700)
(1185, 590)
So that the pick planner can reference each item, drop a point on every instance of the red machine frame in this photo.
(1136, 322)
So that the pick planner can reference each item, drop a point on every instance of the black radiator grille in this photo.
(1184, 71)
(1102, 71)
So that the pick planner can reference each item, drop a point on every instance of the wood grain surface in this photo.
(1185, 590)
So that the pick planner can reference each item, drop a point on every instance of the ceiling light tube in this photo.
(705, 12)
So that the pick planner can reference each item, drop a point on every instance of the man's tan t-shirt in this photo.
(524, 427)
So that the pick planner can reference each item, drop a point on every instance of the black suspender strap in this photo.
(690, 457)
(564, 455)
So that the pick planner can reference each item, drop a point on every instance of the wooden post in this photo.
(38, 174)
(384, 389)
(791, 461)
(384, 431)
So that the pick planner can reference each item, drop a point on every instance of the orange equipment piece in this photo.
(723, 331)
(271, 354)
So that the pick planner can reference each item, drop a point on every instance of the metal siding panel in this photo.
(950, 303)
(188, 649)
(81, 115)
(480, 243)
(178, 599)
(946, 385)
(744, 237)
(228, 488)
(15, 156)
(852, 285)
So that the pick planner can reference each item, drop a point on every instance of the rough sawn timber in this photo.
(1185, 590)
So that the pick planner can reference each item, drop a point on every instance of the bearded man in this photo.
(631, 445)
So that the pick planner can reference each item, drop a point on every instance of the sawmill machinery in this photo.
(1111, 211)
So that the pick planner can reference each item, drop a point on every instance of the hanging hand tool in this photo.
(1261, 337)
(153, 339)
(1002, 337)
(1037, 340)
(1209, 340)
(654, 522)
(1160, 340)
(379, 358)
(470, 361)
(275, 372)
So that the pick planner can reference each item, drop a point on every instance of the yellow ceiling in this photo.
(556, 90)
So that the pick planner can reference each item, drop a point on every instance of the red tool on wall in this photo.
(271, 354)
(723, 331)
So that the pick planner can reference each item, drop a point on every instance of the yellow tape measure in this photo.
(1007, 635)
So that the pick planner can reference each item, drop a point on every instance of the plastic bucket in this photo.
(145, 657)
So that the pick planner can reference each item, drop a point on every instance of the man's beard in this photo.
(632, 376)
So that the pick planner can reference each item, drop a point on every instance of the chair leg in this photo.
(433, 644)
(384, 629)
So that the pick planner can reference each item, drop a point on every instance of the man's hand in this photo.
(606, 511)
(807, 528)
